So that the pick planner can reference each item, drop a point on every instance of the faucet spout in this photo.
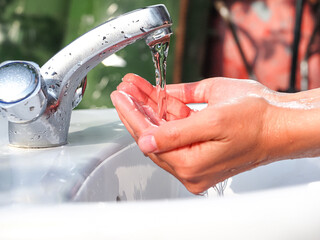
(73, 62)
(64, 75)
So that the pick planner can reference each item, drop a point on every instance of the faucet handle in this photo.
(22, 96)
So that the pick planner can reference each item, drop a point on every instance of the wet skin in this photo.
(245, 125)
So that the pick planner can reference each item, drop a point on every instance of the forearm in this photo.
(305, 99)
(292, 132)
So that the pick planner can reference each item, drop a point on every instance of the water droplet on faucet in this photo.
(142, 30)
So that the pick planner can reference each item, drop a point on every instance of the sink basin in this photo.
(50, 190)
(101, 162)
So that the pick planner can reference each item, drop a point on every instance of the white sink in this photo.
(101, 162)
(101, 165)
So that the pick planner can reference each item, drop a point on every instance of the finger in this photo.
(123, 120)
(195, 92)
(145, 100)
(126, 102)
(199, 127)
(140, 82)
(138, 94)
(148, 93)
(130, 111)
(128, 127)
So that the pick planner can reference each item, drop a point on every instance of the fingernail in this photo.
(147, 144)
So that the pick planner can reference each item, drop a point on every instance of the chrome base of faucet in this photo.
(39, 134)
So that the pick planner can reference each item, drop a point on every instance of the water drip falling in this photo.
(220, 187)
(159, 50)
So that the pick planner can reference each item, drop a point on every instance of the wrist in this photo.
(292, 133)
(302, 100)
(280, 99)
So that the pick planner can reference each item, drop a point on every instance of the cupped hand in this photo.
(200, 148)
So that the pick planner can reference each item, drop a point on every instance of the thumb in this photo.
(199, 127)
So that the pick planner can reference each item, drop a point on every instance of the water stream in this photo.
(159, 49)
(220, 187)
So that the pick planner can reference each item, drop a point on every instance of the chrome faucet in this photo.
(38, 101)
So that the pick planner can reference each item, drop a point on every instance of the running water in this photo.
(159, 49)
(220, 187)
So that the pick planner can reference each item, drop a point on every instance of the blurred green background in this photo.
(34, 30)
